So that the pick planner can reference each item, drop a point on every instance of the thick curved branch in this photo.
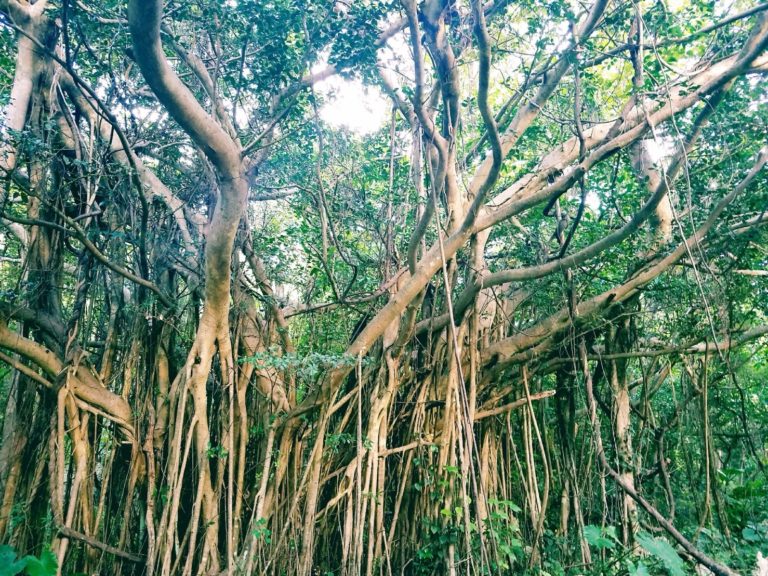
(484, 49)
(534, 188)
(145, 17)
(198, 67)
(35, 30)
(84, 385)
(42, 320)
(508, 350)
(528, 113)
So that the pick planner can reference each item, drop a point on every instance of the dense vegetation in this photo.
(520, 328)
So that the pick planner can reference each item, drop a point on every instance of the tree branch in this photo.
(145, 17)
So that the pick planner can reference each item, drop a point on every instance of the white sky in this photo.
(359, 108)
(352, 105)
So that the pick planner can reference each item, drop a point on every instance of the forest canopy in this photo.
(517, 325)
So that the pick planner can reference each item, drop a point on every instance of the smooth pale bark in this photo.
(710, 80)
(505, 350)
(213, 333)
(290, 490)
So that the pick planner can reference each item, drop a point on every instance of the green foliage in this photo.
(502, 532)
(331, 218)
(10, 565)
(306, 366)
(216, 452)
(335, 442)
(662, 551)
(261, 532)
(639, 569)
(601, 538)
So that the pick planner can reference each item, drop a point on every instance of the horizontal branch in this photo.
(25, 370)
(505, 351)
(93, 543)
(519, 403)
(84, 384)
(681, 40)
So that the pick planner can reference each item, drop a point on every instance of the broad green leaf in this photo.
(43, 566)
(9, 565)
(663, 551)
(594, 535)
(637, 570)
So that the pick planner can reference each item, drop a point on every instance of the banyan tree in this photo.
(518, 325)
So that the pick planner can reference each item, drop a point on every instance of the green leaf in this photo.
(9, 565)
(663, 551)
(505, 504)
(639, 570)
(594, 536)
(750, 535)
(43, 566)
